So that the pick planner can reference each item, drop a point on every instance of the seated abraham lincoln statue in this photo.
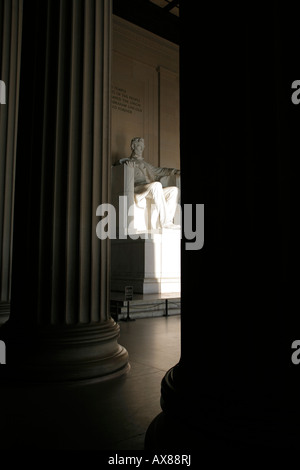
(147, 184)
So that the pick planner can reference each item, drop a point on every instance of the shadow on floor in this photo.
(112, 415)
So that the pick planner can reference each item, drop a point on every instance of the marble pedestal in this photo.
(150, 263)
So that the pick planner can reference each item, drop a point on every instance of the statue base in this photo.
(150, 263)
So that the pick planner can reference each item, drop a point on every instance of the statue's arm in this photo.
(162, 171)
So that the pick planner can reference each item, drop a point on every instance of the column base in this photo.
(63, 353)
(230, 418)
(175, 428)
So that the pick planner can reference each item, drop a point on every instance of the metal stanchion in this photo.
(167, 312)
(128, 297)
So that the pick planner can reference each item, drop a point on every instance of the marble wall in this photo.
(145, 94)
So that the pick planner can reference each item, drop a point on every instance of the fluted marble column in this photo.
(10, 54)
(60, 326)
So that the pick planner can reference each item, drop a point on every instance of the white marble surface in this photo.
(150, 265)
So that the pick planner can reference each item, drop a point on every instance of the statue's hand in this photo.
(127, 161)
(130, 163)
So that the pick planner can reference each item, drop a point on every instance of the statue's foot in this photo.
(171, 225)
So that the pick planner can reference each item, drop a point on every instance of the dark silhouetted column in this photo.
(235, 385)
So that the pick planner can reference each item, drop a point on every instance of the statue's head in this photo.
(137, 145)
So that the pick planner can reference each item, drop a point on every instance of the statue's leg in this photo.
(156, 193)
(171, 195)
(165, 199)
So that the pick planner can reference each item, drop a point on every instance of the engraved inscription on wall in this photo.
(124, 101)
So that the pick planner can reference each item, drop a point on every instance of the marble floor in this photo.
(113, 415)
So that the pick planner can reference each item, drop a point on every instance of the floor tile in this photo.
(109, 415)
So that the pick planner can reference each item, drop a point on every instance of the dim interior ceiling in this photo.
(169, 5)
(161, 17)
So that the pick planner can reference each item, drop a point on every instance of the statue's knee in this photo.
(175, 192)
(156, 187)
